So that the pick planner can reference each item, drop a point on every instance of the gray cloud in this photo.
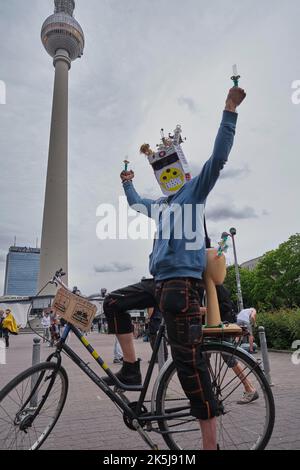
(189, 103)
(120, 95)
(235, 173)
(114, 267)
(227, 173)
(224, 212)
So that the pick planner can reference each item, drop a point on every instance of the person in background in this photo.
(46, 326)
(247, 318)
(9, 326)
(1, 320)
(228, 314)
(54, 331)
(118, 353)
(105, 326)
(62, 326)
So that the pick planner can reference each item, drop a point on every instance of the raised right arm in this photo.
(136, 202)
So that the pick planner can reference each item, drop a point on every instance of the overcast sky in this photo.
(150, 64)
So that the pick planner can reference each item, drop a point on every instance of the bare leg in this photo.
(238, 370)
(251, 341)
(127, 345)
(209, 433)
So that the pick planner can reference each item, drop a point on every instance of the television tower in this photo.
(63, 39)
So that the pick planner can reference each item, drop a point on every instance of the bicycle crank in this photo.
(129, 421)
(144, 435)
(135, 425)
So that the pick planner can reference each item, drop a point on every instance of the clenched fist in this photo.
(235, 97)
(127, 176)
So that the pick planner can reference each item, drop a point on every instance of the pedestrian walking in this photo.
(54, 331)
(9, 326)
(1, 321)
(46, 326)
(118, 353)
(247, 318)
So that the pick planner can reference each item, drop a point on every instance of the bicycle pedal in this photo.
(119, 390)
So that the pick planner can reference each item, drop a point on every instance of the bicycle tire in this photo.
(230, 352)
(36, 373)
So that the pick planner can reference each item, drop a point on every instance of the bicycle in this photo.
(31, 404)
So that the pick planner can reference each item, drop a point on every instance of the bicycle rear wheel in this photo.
(245, 426)
(30, 406)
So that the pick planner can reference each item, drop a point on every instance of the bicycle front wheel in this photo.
(245, 402)
(30, 406)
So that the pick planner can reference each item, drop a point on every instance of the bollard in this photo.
(36, 351)
(265, 354)
(36, 359)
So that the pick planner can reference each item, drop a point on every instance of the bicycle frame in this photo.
(138, 415)
(134, 414)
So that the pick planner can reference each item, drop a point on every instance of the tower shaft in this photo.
(54, 245)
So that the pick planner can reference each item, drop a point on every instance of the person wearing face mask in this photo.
(177, 263)
(1, 321)
(9, 326)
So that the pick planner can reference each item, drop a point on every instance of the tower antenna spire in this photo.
(64, 6)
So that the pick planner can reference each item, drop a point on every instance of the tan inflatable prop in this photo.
(215, 275)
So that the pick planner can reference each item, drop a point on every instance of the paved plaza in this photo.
(90, 421)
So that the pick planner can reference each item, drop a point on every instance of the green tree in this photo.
(247, 284)
(277, 276)
(274, 283)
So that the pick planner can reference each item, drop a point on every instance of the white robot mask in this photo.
(169, 163)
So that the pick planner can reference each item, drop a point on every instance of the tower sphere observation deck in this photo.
(62, 31)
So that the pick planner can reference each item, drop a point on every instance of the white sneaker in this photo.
(248, 397)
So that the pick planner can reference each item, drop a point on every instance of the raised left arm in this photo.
(206, 180)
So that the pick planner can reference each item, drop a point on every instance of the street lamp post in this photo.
(237, 273)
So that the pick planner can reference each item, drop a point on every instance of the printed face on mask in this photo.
(171, 179)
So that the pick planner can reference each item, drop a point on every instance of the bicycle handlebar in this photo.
(58, 281)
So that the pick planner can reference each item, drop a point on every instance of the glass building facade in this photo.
(22, 271)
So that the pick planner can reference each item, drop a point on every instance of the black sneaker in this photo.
(129, 374)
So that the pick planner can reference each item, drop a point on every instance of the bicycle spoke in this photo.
(28, 412)
(232, 372)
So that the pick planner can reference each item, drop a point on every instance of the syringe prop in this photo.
(223, 247)
(126, 163)
(235, 78)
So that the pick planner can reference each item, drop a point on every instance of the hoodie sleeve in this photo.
(136, 202)
(202, 184)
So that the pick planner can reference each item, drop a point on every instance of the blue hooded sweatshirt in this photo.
(179, 248)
